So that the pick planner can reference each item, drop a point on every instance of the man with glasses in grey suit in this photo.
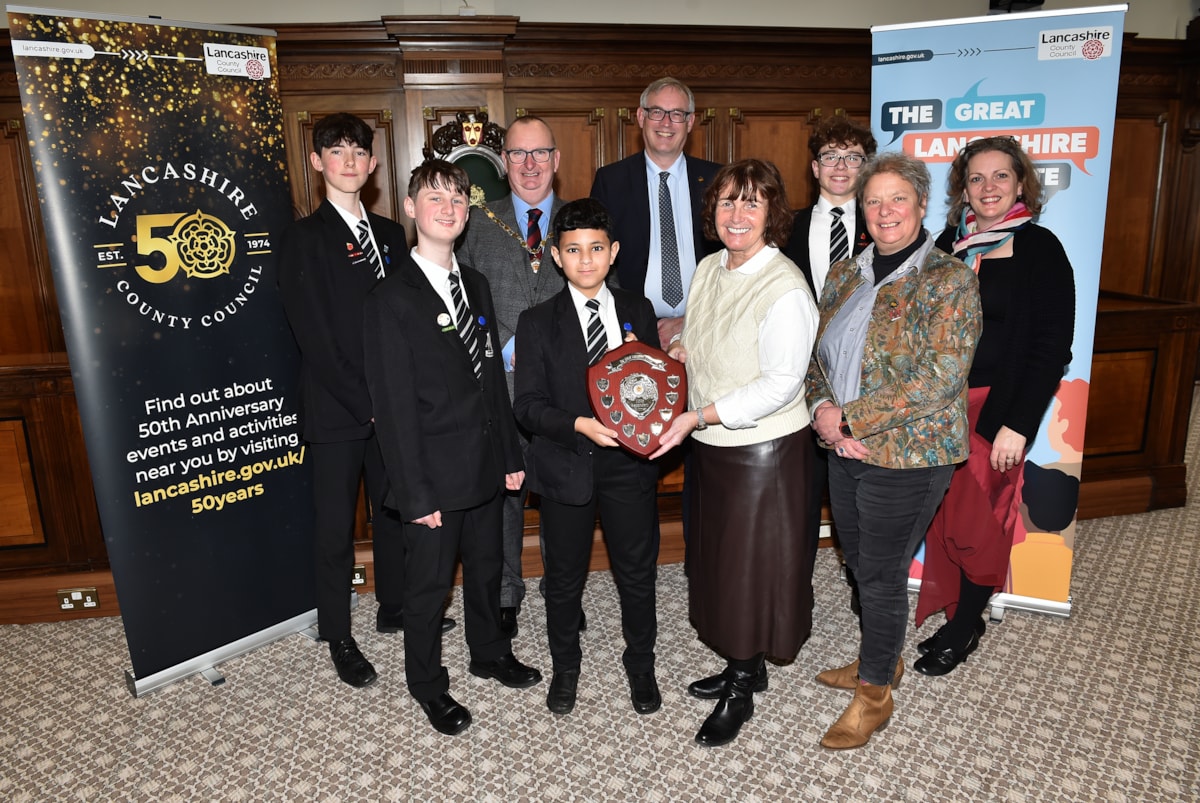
(506, 240)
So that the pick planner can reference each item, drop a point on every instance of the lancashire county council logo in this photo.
(172, 262)
(204, 245)
(1076, 43)
(254, 69)
(1093, 49)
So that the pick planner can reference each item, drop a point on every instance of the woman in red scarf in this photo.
(1027, 291)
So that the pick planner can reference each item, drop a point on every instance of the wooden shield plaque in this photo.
(636, 390)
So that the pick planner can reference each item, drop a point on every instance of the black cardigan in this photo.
(1028, 304)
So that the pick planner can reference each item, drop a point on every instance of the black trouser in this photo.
(337, 468)
(431, 554)
(628, 516)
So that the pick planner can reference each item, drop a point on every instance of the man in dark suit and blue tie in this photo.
(449, 441)
(574, 462)
(655, 199)
(328, 262)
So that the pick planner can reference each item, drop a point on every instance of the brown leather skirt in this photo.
(749, 547)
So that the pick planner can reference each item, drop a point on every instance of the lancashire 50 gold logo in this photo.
(154, 263)
(199, 244)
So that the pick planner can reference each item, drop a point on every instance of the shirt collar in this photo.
(824, 206)
(521, 211)
(349, 217)
(604, 296)
(755, 263)
(436, 274)
(678, 170)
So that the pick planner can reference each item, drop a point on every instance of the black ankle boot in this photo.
(735, 707)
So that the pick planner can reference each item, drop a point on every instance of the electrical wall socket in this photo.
(78, 599)
(359, 576)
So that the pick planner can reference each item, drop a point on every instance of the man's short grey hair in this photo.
(672, 83)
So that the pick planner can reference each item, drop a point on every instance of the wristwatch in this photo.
(844, 428)
(700, 425)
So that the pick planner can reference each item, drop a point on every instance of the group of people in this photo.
(838, 350)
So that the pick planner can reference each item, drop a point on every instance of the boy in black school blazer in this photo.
(574, 463)
(448, 439)
(324, 274)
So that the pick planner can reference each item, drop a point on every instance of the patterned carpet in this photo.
(1102, 706)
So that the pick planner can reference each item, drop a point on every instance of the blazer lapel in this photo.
(430, 303)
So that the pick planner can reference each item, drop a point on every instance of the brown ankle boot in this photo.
(846, 677)
(869, 711)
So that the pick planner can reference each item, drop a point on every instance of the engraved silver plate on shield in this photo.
(639, 394)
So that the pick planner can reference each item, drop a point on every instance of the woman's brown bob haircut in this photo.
(751, 178)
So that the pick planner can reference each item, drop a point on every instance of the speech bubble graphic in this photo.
(1075, 143)
(973, 109)
(898, 116)
(1055, 176)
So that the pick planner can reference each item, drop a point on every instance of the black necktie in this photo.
(368, 247)
(672, 281)
(839, 244)
(466, 326)
(597, 340)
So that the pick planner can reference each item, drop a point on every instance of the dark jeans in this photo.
(881, 515)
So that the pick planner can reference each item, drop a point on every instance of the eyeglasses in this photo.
(676, 115)
(853, 161)
(518, 156)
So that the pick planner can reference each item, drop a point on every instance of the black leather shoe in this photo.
(733, 710)
(508, 622)
(711, 688)
(563, 688)
(508, 670)
(394, 622)
(352, 666)
(931, 643)
(446, 715)
(643, 690)
(943, 661)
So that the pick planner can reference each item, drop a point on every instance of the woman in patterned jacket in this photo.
(887, 387)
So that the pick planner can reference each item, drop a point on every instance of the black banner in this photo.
(159, 156)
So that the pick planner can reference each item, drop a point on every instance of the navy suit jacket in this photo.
(797, 245)
(447, 438)
(323, 278)
(551, 371)
(623, 189)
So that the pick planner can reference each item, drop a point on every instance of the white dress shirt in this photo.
(818, 237)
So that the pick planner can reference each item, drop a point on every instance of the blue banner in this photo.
(1050, 80)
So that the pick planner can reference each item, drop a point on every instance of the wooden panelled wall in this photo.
(758, 91)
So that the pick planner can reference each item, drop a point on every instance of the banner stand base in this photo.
(205, 665)
(1002, 602)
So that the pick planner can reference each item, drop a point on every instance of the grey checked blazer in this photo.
(494, 252)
